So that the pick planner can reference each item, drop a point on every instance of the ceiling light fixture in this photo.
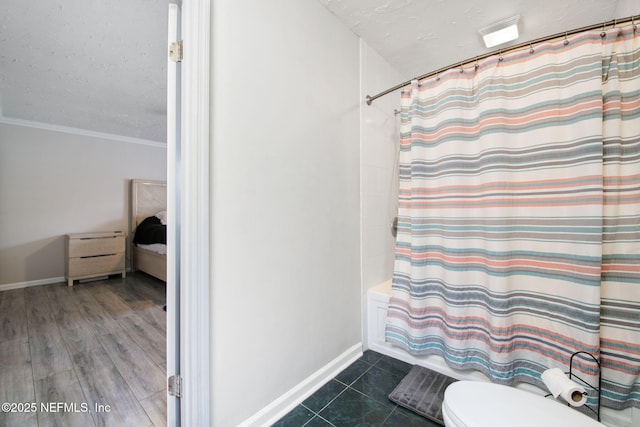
(500, 32)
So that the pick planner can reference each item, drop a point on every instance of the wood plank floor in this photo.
(93, 354)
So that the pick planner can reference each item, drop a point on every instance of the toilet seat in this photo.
(480, 404)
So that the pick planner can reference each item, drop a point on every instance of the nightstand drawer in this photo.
(93, 265)
(94, 255)
(84, 247)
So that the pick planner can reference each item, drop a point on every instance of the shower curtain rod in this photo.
(529, 44)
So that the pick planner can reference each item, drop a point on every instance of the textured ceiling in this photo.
(100, 65)
(96, 65)
(420, 36)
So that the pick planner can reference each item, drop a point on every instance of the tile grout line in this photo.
(395, 405)
(328, 403)
(368, 367)
(347, 386)
(395, 408)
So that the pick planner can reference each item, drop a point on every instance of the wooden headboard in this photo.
(148, 197)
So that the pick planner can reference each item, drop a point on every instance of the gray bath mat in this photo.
(422, 391)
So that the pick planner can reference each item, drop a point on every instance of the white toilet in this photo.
(481, 404)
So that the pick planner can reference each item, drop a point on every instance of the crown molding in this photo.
(81, 132)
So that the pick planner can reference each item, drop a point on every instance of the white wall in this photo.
(626, 8)
(53, 183)
(285, 230)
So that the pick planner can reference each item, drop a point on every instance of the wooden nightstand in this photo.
(94, 255)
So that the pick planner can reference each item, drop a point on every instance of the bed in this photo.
(148, 203)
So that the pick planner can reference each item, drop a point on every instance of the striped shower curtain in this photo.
(519, 214)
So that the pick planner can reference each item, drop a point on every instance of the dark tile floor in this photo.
(358, 396)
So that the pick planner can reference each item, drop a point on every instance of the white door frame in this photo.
(194, 216)
(173, 212)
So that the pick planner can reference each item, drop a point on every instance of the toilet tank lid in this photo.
(473, 403)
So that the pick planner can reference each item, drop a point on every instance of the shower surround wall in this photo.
(379, 143)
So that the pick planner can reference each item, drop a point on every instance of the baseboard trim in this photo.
(20, 285)
(285, 403)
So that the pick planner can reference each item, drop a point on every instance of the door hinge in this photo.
(175, 51)
(174, 386)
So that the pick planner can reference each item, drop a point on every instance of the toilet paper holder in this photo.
(597, 389)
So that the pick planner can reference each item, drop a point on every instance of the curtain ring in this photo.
(461, 69)
(531, 48)
(635, 26)
(500, 58)
(477, 64)
(603, 34)
(566, 40)
(615, 24)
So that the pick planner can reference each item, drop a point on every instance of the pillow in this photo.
(162, 216)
